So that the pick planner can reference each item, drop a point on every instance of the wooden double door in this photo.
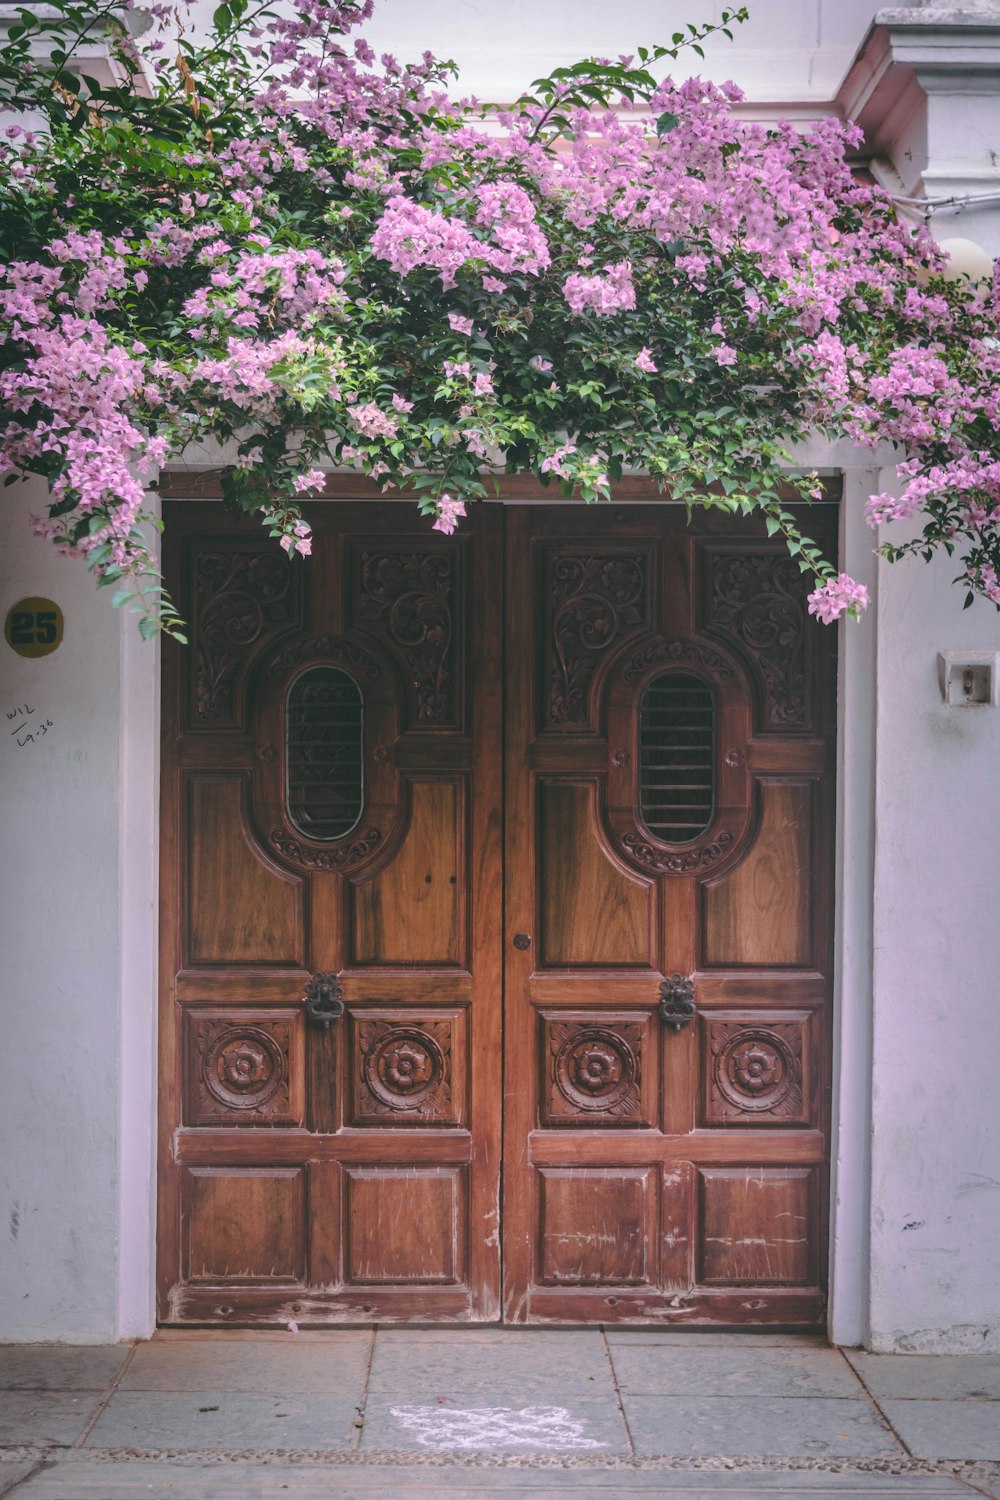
(496, 921)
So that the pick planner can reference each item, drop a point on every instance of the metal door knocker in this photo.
(677, 1005)
(324, 999)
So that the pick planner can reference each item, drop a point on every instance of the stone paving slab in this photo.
(93, 1478)
(294, 1366)
(222, 1419)
(496, 1337)
(44, 1419)
(466, 1425)
(657, 1369)
(948, 1377)
(531, 1372)
(985, 1477)
(698, 1338)
(947, 1429)
(13, 1471)
(60, 1367)
(738, 1426)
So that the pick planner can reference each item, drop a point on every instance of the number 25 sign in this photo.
(33, 627)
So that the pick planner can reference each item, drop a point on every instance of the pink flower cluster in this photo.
(556, 462)
(608, 292)
(409, 235)
(448, 513)
(838, 596)
(299, 285)
(372, 422)
(283, 330)
(299, 539)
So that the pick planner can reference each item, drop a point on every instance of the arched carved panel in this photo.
(758, 601)
(592, 601)
(383, 812)
(723, 840)
(593, 1069)
(408, 1069)
(411, 600)
(240, 600)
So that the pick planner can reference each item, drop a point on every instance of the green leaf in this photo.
(665, 123)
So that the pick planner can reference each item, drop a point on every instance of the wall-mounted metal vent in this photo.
(324, 758)
(677, 757)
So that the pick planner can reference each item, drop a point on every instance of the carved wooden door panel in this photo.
(330, 1040)
(669, 779)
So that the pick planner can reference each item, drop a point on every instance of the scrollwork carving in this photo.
(675, 861)
(343, 857)
(409, 595)
(668, 652)
(327, 648)
(240, 598)
(759, 601)
(593, 603)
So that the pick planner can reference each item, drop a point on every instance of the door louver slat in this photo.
(324, 738)
(677, 757)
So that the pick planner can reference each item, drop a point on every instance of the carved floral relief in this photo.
(239, 1072)
(593, 1072)
(403, 1072)
(756, 1072)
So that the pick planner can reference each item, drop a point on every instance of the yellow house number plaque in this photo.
(33, 627)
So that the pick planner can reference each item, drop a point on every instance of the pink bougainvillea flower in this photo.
(838, 596)
(448, 512)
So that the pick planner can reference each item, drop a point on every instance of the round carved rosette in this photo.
(244, 1068)
(755, 1070)
(404, 1069)
(595, 1069)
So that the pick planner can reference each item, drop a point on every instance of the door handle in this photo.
(521, 941)
(677, 1006)
(324, 998)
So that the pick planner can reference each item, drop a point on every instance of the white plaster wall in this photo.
(785, 51)
(935, 1220)
(64, 1156)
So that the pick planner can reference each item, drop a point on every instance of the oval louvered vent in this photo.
(677, 757)
(324, 754)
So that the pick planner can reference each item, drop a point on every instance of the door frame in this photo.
(853, 891)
